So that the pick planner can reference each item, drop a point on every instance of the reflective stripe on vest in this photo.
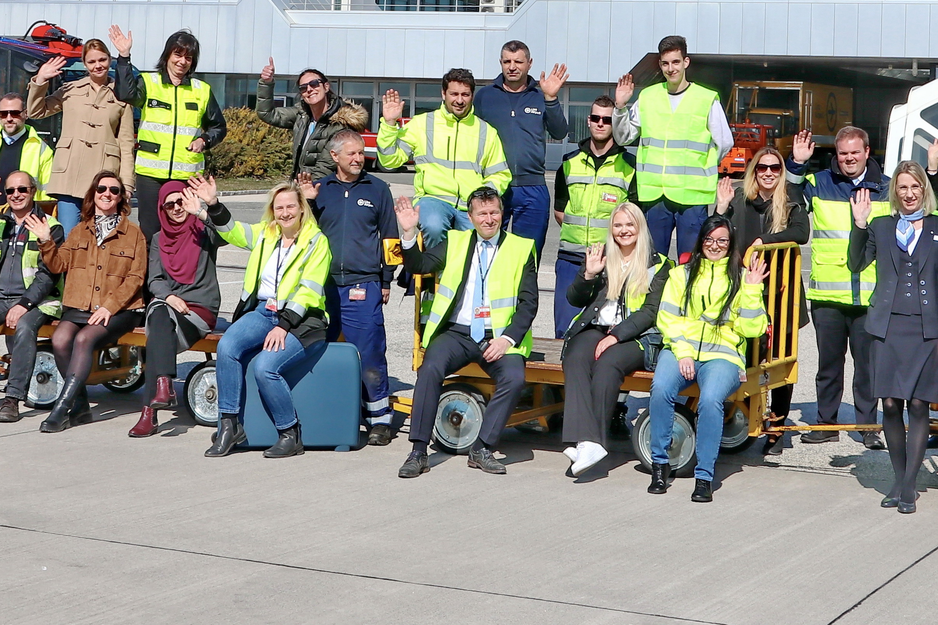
(29, 266)
(594, 195)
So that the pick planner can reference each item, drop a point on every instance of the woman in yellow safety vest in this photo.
(618, 290)
(282, 312)
(179, 118)
(707, 311)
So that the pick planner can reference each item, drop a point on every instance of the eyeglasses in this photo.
(13, 114)
(313, 84)
(101, 189)
(168, 206)
(606, 119)
(20, 190)
(915, 189)
(721, 242)
(761, 168)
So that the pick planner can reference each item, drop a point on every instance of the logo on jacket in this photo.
(364, 202)
(610, 197)
(531, 110)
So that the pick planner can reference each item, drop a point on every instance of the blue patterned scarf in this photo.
(905, 231)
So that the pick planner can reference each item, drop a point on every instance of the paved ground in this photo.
(98, 528)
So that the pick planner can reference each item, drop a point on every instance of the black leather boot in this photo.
(58, 419)
(230, 433)
(703, 492)
(659, 478)
(289, 444)
(81, 410)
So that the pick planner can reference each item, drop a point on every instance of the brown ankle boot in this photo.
(147, 424)
(165, 396)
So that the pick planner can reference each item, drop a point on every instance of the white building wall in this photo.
(598, 39)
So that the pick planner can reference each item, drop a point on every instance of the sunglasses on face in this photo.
(101, 189)
(310, 85)
(168, 206)
(484, 193)
(21, 190)
(606, 119)
(761, 168)
(13, 114)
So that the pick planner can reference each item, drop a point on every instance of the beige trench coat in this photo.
(97, 134)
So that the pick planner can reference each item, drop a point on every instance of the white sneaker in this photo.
(571, 453)
(588, 454)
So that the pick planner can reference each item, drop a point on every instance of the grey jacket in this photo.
(204, 290)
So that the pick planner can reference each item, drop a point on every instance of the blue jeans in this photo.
(528, 209)
(717, 379)
(437, 217)
(564, 273)
(664, 215)
(240, 343)
(69, 211)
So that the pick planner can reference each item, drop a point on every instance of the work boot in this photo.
(289, 444)
(146, 425)
(230, 433)
(10, 410)
(380, 434)
(703, 492)
(81, 410)
(165, 396)
(659, 478)
(58, 419)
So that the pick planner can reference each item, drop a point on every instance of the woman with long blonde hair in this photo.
(619, 288)
(766, 209)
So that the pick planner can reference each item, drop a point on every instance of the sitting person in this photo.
(186, 297)
(485, 302)
(706, 313)
(282, 312)
(619, 299)
(30, 294)
(105, 256)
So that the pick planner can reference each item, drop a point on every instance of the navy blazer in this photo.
(889, 270)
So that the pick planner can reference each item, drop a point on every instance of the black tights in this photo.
(906, 452)
(73, 344)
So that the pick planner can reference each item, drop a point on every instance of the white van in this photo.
(913, 127)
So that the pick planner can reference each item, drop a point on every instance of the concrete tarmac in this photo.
(99, 528)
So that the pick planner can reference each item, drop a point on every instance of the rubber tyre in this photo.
(200, 394)
(458, 418)
(135, 379)
(735, 430)
(683, 451)
(46, 384)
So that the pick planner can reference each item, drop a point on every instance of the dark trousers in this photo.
(148, 196)
(781, 400)
(528, 210)
(564, 273)
(591, 387)
(22, 347)
(162, 346)
(362, 322)
(447, 353)
(836, 327)
(663, 216)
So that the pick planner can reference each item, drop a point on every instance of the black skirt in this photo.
(905, 366)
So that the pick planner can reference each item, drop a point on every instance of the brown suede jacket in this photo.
(110, 275)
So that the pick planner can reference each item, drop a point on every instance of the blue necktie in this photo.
(477, 328)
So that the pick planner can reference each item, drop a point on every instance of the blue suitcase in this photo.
(327, 395)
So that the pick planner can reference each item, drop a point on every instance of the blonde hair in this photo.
(635, 275)
(94, 44)
(268, 219)
(917, 172)
(781, 207)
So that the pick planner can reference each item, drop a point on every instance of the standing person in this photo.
(684, 134)
(30, 294)
(184, 285)
(314, 119)
(105, 256)
(455, 153)
(840, 297)
(282, 312)
(709, 308)
(356, 213)
(524, 112)
(485, 304)
(765, 210)
(21, 148)
(619, 292)
(97, 128)
(903, 323)
(590, 183)
(179, 118)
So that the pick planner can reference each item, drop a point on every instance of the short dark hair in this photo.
(604, 101)
(852, 132)
(458, 74)
(12, 95)
(514, 45)
(484, 194)
(310, 70)
(184, 42)
(87, 205)
(671, 43)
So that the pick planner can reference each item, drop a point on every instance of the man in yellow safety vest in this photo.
(21, 148)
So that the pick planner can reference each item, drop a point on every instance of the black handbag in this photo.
(652, 343)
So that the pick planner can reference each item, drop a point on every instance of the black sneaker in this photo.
(821, 436)
(416, 464)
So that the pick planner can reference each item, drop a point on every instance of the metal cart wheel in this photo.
(683, 452)
(46, 383)
(110, 358)
(458, 418)
(200, 394)
(735, 430)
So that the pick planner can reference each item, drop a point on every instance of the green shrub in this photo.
(252, 149)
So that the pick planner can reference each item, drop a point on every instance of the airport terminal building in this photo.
(877, 49)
